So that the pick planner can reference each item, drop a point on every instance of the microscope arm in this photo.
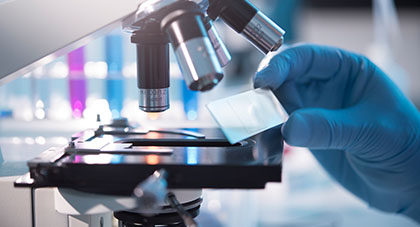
(35, 32)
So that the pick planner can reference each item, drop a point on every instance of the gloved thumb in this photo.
(318, 128)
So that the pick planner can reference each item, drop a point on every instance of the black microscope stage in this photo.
(114, 158)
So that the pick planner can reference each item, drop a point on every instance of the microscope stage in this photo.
(114, 159)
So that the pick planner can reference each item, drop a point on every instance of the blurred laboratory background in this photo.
(43, 108)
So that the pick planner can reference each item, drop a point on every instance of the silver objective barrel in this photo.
(154, 99)
(199, 64)
(246, 19)
(264, 33)
(219, 46)
(194, 51)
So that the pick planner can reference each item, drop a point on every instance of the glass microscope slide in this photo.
(247, 114)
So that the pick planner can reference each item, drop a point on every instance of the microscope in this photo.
(162, 171)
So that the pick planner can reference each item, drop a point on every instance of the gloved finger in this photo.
(301, 63)
(318, 128)
(274, 74)
(289, 96)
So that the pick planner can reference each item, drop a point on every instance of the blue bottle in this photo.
(114, 81)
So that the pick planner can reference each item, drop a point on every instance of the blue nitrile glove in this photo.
(355, 121)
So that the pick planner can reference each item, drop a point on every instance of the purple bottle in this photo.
(77, 82)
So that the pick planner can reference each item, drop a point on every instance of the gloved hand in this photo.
(355, 121)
